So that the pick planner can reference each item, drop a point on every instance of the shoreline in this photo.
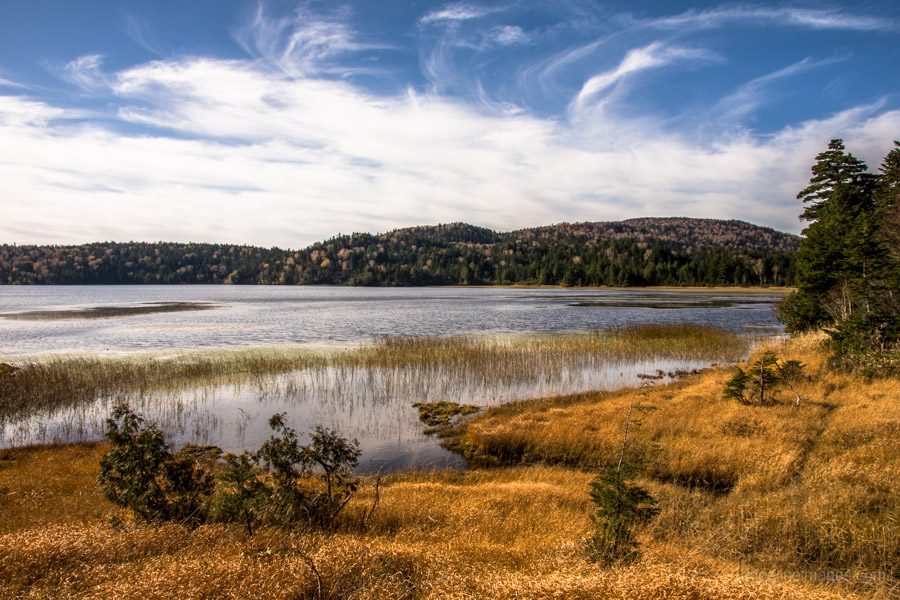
(665, 288)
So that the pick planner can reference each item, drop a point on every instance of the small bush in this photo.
(758, 385)
(141, 474)
(289, 502)
(242, 493)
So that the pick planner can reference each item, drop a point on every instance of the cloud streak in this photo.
(640, 59)
(85, 72)
(799, 17)
(751, 95)
(304, 43)
(455, 13)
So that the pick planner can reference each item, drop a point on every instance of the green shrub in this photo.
(292, 495)
(241, 493)
(759, 384)
(141, 474)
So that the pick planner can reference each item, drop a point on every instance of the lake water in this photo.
(258, 315)
(372, 405)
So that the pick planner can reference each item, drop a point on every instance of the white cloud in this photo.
(328, 157)
(16, 111)
(508, 35)
(456, 12)
(752, 94)
(139, 31)
(85, 72)
(812, 18)
(637, 60)
(303, 43)
(10, 83)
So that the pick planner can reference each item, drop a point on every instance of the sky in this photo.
(282, 123)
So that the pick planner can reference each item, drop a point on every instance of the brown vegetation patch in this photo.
(107, 312)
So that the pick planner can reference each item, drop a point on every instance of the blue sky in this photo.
(283, 122)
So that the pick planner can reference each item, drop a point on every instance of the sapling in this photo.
(621, 505)
(758, 384)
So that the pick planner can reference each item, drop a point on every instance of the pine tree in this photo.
(849, 262)
(833, 168)
(840, 210)
(621, 505)
(887, 219)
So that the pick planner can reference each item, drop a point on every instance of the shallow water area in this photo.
(372, 405)
(371, 402)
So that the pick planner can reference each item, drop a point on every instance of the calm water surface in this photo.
(372, 405)
(258, 315)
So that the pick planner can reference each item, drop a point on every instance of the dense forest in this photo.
(637, 252)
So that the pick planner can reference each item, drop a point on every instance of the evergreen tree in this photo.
(840, 205)
(848, 268)
(887, 201)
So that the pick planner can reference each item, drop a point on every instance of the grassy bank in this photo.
(483, 534)
(756, 502)
(814, 487)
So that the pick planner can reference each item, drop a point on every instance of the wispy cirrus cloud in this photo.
(653, 56)
(305, 43)
(86, 73)
(508, 35)
(140, 32)
(800, 17)
(12, 84)
(756, 92)
(457, 12)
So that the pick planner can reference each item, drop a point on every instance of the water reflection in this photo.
(373, 405)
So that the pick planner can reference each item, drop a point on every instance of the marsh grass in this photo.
(51, 383)
(442, 414)
(399, 366)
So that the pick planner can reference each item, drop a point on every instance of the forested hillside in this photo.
(662, 251)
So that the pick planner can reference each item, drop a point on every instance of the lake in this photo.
(265, 316)
(371, 404)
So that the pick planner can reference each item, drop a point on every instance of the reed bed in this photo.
(49, 383)
(42, 386)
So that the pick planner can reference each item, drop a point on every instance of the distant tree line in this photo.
(640, 252)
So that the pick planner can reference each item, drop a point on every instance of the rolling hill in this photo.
(635, 252)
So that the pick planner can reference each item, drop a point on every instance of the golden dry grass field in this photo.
(756, 502)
